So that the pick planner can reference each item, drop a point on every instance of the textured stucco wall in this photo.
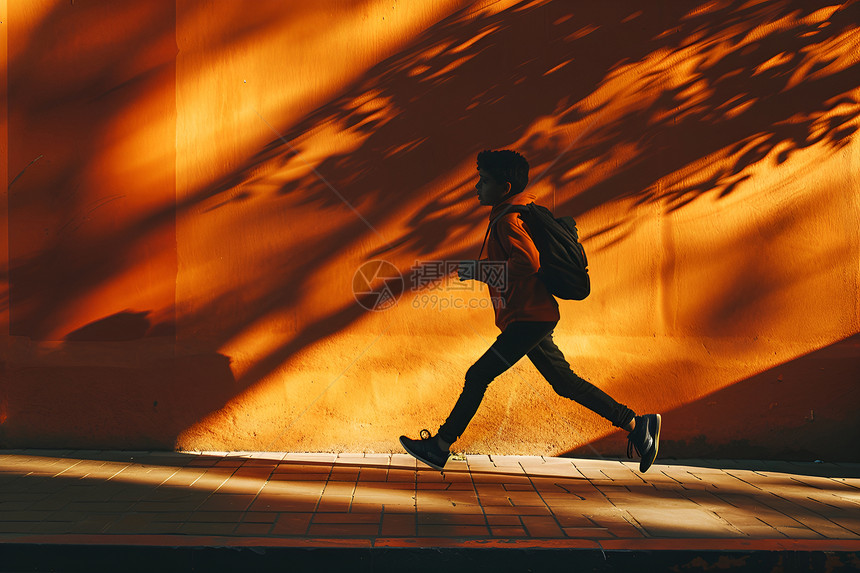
(192, 187)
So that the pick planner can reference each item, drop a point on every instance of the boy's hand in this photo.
(467, 270)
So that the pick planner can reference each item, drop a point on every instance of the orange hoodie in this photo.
(525, 298)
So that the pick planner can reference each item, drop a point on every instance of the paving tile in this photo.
(333, 503)
(560, 484)
(572, 519)
(681, 523)
(453, 530)
(508, 531)
(171, 516)
(50, 503)
(184, 477)
(502, 478)
(849, 523)
(310, 457)
(404, 498)
(594, 474)
(433, 486)
(456, 465)
(127, 523)
(22, 515)
(502, 500)
(426, 475)
(73, 516)
(490, 488)
(461, 486)
(375, 507)
(162, 528)
(522, 510)
(542, 526)
(292, 524)
(432, 518)
(403, 462)
(131, 493)
(401, 475)
(97, 506)
(457, 497)
(215, 517)
(385, 486)
(347, 518)
(525, 498)
(240, 485)
(344, 474)
(259, 517)
(519, 487)
(172, 495)
(297, 490)
(562, 499)
(588, 532)
(398, 525)
(158, 506)
(227, 502)
(760, 532)
(301, 467)
(59, 527)
(799, 533)
(497, 520)
(280, 504)
(344, 529)
(91, 522)
(18, 505)
(339, 488)
(508, 464)
(195, 528)
(373, 474)
(302, 477)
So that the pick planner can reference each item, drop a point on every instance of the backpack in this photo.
(563, 264)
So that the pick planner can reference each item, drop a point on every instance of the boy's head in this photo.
(505, 166)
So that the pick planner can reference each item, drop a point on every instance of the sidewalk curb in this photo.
(652, 544)
(97, 553)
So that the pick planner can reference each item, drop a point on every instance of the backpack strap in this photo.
(515, 208)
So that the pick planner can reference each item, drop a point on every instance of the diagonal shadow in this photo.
(546, 69)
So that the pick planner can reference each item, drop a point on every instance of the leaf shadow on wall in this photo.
(540, 75)
(523, 75)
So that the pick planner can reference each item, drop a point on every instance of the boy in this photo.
(526, 314)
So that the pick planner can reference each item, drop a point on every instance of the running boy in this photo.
(526, 314)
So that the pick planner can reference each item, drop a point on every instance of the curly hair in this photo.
(506, 166)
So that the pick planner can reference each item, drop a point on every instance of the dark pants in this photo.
(532, 339)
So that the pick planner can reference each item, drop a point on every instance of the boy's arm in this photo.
(523, 256)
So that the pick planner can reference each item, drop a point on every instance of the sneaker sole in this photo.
(645, 463)
(420, 458)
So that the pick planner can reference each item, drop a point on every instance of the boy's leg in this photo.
(550, 362)
(645, 437)
(511, 345)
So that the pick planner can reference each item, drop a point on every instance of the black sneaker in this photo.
(426, 450)
(645, 437)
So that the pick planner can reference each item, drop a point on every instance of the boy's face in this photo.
(490, 191)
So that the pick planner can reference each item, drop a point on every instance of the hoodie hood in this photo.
(522, 198)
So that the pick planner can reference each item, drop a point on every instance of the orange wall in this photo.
(192, 187)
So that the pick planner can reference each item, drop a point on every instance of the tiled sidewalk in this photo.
(277, 500)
